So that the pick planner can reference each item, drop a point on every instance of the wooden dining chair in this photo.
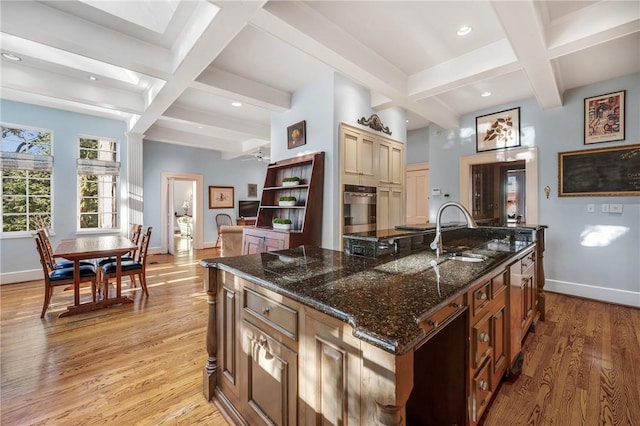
(43, 235)
(61, 276)
(132, 268)
(136, 231)
(222, 219)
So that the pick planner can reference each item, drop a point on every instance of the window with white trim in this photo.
(98, 171)
(26, 165)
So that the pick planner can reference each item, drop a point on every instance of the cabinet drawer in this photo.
(498, 284)
(482, 390)
(527, 262)
(432, 322)
(481, 341)
(275, 314)
(481, 298)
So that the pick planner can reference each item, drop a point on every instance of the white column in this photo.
(135, 179)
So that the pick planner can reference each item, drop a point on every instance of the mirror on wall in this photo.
(499, 193)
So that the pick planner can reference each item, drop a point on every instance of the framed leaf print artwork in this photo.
(498, 130)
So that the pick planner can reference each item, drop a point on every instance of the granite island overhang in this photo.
(385, 301)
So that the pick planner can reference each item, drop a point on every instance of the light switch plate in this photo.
(615, 208)
(605, 208)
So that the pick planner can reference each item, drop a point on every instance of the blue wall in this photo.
(168, 158)
(608, 272)
(418, 146)
(19, 254)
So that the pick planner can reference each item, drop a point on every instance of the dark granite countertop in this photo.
(380, 298)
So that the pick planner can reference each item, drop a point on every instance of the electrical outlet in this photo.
(615, 208)
(605, 208)
(590, 208)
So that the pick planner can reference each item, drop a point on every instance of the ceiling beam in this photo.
(232, 17)
(523, 27)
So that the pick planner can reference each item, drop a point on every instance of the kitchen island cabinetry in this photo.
(309, 335)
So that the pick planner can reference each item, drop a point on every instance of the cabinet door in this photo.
(272, 379)
(358, 166)
(274, 242)
(396, 165)
(417, 192)
(229, 348)
(499, 329)
(382, 208)
(251, 244)
(384, 162)
(396, 204)
(332, 380)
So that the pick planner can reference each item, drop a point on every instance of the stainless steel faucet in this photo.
(436, 244)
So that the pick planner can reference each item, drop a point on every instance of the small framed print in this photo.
(221, 197)
(297, 134)
(604, 118)
(252, 190)
(498, 130)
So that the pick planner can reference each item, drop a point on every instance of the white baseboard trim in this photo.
(21, 276)
(603, 294)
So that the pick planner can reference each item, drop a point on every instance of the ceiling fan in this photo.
(258, 156)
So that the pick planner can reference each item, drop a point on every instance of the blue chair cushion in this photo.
(103, 261)
(69, 264)
(129, 265)
(67, 273)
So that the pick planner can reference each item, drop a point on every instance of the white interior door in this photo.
(170, 219)
(417, 181)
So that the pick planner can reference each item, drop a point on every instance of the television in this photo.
(248, 208)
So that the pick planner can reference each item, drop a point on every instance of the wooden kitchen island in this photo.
(314, 336)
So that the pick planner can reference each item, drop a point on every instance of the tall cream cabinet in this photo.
(373, 160)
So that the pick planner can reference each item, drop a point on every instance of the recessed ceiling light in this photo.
(236, 104)
(11, 57)
(485, 94)
(464, 30)
(200, 127)
(406, 121)
(93, 78)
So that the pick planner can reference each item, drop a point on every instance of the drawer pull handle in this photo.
(483, 385)
(432, 323)
(481, 296)
(266, 311)
(484, 337)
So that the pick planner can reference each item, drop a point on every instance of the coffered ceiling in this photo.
(172, 69)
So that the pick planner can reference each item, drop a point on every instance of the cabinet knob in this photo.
(432, 323)
(456, 305)
(481, 296)
(483, 385)
(484, 337)
(262, 341)
(266, 311)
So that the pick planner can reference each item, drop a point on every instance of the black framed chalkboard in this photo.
(600, 172)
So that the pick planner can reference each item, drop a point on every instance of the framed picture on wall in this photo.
(604, 118)
(498, 130)
(221, 197)
(252, 190)
(297, 134)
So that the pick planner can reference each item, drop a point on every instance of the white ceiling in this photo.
(172, 68)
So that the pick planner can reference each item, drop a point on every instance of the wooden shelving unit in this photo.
(305, 215)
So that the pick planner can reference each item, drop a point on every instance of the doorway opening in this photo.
(499, 192)
(529, 156)
(182, 197)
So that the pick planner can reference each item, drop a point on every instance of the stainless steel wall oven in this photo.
(359, 208)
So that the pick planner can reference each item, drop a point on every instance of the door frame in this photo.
(197, 208)
(530, 157)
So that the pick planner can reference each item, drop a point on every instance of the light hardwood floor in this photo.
(141, 364)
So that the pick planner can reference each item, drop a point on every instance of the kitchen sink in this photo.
(467, 257)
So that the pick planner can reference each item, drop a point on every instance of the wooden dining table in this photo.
(84, 248)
